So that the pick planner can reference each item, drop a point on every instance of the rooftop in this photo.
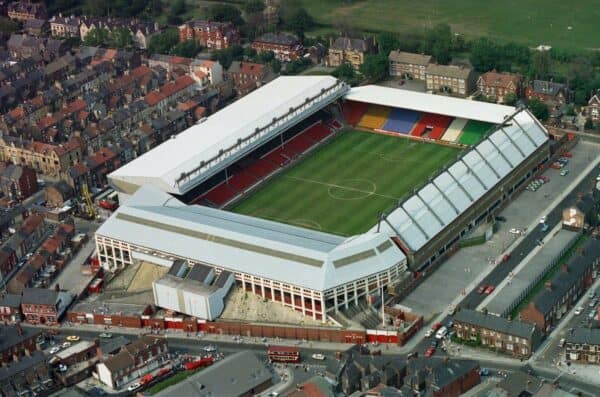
(202, 142)
(409, 57)
(584, 336)
(235, 375)
(517, 328)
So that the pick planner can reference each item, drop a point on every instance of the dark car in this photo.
(500, 218)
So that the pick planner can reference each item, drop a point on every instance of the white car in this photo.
(66, 344)
(133, 386)
(318, 356)
(578, 311)
(62, 368)
(54, 350)
(514, 231)
(429, 333)
(209, 348)
(543, 219)
(598, 177)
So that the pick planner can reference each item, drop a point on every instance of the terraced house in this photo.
(510, 337)
(408, 65)
(583, 346)
(450, 79)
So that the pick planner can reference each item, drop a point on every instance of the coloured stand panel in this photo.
(473, 132)
(454, 130)
(375, 117)
(401, 120)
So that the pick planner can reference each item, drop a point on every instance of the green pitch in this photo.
(343, 186)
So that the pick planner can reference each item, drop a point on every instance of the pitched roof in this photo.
(501, 80)
(347, 43)
(547, 87)
(588, 336)
(9, 300)
(452, 71)
(409, 57)
(500, 324)
(278, 38)
(247, 68)
(39, 296)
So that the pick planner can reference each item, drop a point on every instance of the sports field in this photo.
(531, 22)
(343, 186)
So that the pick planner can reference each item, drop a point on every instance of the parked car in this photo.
(489, 289)
(133, 387)
(54, 350)
(564, 173)
(429, 333)
(500, 218)
(318, 356)
(436, 326)
(481, 288)
(578, 311)
(66, 344)
(429, 352)
(514, 231)
(484, 372)
(441, 333)
(73, 338)
(105, 335)
(62, 368)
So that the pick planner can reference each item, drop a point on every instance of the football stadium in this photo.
(319, 196)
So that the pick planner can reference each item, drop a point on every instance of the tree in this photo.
(539, 109)
(225, 13)
(510, 99)
(228, 55)
(163, 42)
(7, 26)
(484, 54)
(96, 37)
(375, 67)
(387, 42)
(438, 42)
(121, 38)
(541, 64)
(299, 21)
(588, 124)
(249, 52)
(254, 6)
(276, 65)
(178, 7)
(186, 49)
(346, 73)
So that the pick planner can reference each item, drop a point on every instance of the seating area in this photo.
(473, 132)
(454, 130)
(431, 126)
(353, 111)
(401, 121)
(375, 117)
(242, 178)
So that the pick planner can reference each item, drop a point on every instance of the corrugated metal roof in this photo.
(426, 213)
(153, 220)
(438, 104)
(165, 164)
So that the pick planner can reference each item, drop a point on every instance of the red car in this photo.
(429, 352)
(505, 258)
(481, 288)
(436, 326)
(568, 154)
(489, 289)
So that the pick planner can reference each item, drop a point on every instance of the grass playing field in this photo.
(343, 186)
(530, 22)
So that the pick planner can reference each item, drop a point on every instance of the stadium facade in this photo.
(312, 272)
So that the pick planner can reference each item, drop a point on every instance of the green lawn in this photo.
(530, 22)
(343, 186)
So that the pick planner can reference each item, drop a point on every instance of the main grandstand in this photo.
(295, 130)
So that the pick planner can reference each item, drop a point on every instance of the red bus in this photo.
(284, 354)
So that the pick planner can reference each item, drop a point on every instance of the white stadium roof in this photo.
(154, 220)
(423, 215)
(438, 104)
(163, 165)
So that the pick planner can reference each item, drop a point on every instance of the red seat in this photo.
(435, 123)
(353, 111)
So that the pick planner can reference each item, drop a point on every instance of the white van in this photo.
(441, 333)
